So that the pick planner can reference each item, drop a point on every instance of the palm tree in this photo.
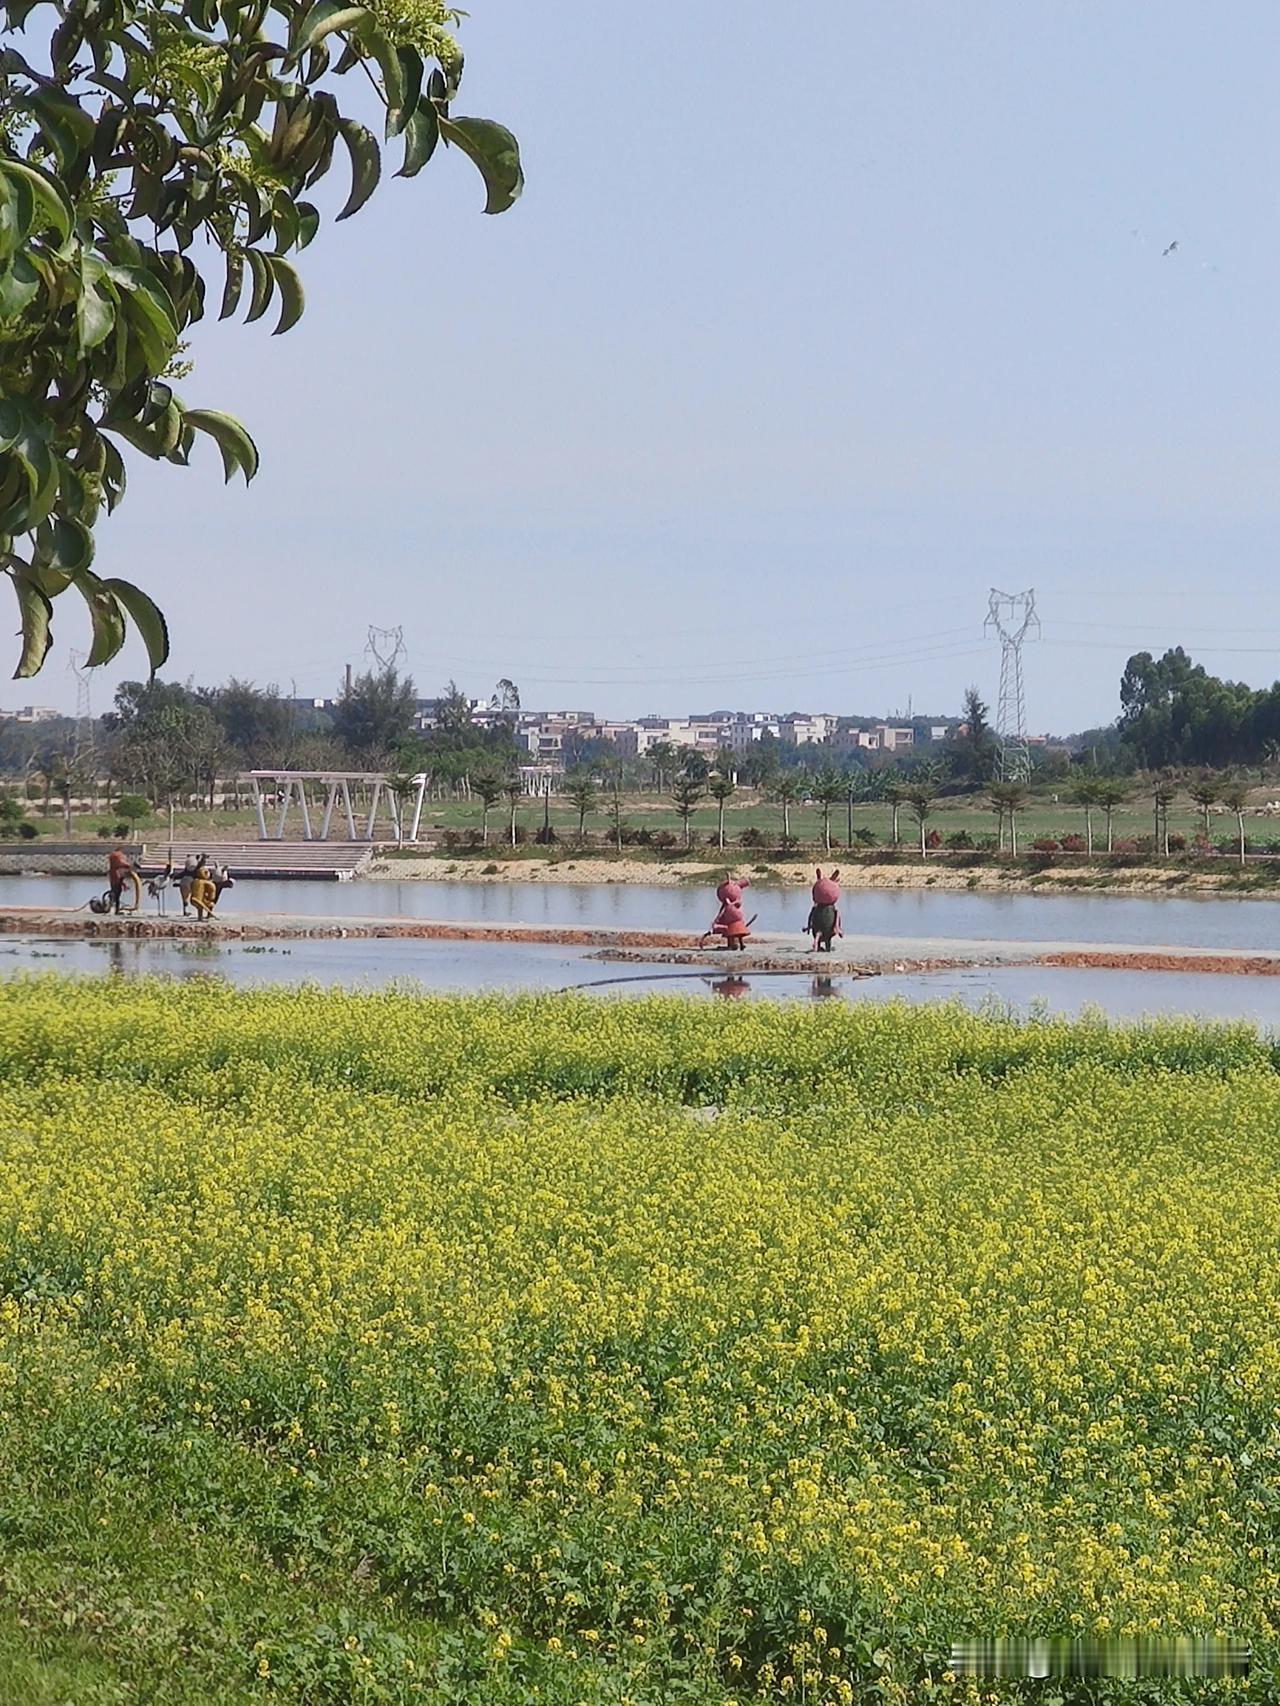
(828, 789)
(1204, 792)
(785, 791)
(489, 789)
(614, 772)
(1084, 792)
(920, 798)
(721, 788)
(664, 757)
(1235, 797)
(1008, 799)
(1162, 797)
(1110, 794)
(513, 788)
(895, 793)
(580, 791)
(687, 792)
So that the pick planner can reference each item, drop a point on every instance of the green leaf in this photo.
(70, 545)
(420, 137)
(495, 153)
(238, 449)
(308, 222)
(383, 50)
(50, 198)
(284, 220)
(235, 280)
(290, 287)
(146, 618)
(411, 71)
(37, 615)
(19, 285)
(366, 164)
(65, 125)
(326, 17)
(105, 614)
(17, 209)
(95, 311)
(263, 283)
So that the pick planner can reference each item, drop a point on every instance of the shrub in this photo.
(104, 832)
(865, 838)
(133, 808)
(933, 839)
(959, 841)
(1177, 844)
(1044, 844)
(751, 837)
(28, 831)
(663, 838)
(1125, 844)
(1073, 844)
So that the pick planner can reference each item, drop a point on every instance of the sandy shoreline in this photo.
(1139, 880)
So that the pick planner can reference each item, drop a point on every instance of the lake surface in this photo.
(909, 913)
(500, 966)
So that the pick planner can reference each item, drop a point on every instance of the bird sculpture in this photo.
(158, 888)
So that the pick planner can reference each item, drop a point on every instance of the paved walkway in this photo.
(769, 951)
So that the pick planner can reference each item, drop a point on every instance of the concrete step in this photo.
(336, 860)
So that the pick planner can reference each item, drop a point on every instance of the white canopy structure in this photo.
(279, 790)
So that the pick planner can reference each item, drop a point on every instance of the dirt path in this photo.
(855, 955)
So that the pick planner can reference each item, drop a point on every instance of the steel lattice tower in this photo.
(82, 741)
(1012, 616)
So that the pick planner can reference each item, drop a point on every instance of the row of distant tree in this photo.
(169, 740)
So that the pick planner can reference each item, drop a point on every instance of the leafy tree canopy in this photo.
(140, 141)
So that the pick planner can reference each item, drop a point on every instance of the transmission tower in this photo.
(82, 740)
(386, 647)
(1012, 616)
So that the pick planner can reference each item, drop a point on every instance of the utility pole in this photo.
(1011, 616)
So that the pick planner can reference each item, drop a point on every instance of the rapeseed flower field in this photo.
(379, 1348)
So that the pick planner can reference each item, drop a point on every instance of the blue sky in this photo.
(812, 326)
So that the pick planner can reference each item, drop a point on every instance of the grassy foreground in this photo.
(367, 1348)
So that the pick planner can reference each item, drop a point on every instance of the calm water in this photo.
(1204, 923)
(471, 966)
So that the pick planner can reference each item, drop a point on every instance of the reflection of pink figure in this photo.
(824, 914)
(731, 987)
(729, 921)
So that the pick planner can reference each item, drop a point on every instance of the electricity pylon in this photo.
(386, 647)
(1012, 616)
(82, 740)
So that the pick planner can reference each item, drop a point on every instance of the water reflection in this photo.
(730, 987)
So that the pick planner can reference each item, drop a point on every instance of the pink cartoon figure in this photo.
(729, 922)
(824, 914)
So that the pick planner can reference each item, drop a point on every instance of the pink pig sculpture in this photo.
(824, 914)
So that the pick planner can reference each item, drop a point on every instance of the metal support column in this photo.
(257, 805)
